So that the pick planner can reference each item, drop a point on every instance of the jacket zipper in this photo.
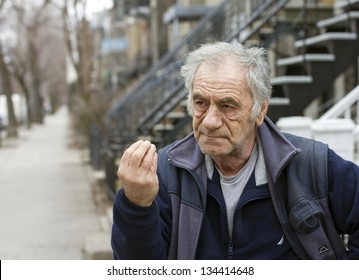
(230, 250)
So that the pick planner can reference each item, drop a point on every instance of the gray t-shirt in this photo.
(232, 186)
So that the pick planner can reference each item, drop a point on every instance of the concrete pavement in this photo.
(47, 210)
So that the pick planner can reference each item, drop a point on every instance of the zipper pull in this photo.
(230, 250)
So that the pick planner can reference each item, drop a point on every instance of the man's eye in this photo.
(228, 107)
(200, 103)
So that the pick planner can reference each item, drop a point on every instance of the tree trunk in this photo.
(22, 83)
(37, 108)
(7, 87)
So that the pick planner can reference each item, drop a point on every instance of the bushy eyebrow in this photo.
(229, 100)
(197, 96)
(226, 100)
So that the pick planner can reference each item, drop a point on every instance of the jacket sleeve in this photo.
(343, 180)
(140, 232)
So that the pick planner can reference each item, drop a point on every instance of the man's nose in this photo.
(213, 118)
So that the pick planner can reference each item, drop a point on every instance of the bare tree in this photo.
(35, 58)
(88, 101)
(34, 53)
(20, 70)
(39, 58)
(7, 87)
(27, 64)
(79, 44)
(53, 58)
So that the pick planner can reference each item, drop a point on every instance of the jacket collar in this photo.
(277, 150)
(186, 153)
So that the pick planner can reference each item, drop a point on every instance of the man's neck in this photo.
(230, 165)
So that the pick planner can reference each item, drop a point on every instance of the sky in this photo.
(94, 6)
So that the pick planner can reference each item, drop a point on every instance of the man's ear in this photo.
(262, 113)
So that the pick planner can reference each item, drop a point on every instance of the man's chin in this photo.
(212, 145)
(211, 150)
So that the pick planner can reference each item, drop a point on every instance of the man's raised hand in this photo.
(137, 172)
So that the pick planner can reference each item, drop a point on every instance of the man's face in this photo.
(222, 106)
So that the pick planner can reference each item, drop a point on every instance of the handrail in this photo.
(343, 107)
(262, 22)
(346, 108)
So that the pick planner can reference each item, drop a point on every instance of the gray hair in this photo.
(251, 58)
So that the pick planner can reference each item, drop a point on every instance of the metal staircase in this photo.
(323, 58)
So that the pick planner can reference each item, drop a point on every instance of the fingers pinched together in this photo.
(137, 172)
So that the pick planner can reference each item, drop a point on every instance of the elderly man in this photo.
(235, 188)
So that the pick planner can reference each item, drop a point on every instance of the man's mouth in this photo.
(212, 137)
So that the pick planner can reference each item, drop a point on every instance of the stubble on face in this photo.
(222, 107)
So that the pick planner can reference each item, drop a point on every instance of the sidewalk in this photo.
(46, 205)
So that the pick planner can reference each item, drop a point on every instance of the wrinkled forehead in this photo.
(225, 70)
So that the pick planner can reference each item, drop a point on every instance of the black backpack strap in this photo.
(309, 214)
